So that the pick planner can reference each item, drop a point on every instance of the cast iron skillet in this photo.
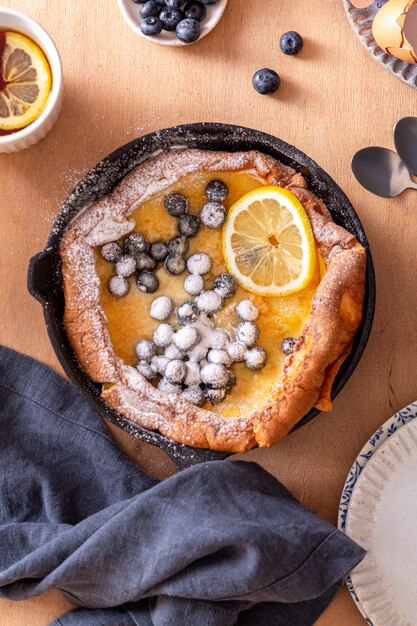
(45, 279)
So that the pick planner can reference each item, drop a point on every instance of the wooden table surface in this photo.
(333, 100)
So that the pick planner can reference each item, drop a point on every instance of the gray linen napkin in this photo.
(217, 544)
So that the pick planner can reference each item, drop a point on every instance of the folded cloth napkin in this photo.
(217, 544)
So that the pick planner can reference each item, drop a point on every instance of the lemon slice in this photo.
(268, 244)
(25, 82)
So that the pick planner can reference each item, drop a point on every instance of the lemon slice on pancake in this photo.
(268, 243)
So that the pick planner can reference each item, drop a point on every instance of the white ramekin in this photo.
(13, 20)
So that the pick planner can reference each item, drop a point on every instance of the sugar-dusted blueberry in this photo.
(194, 284)
(225, 285)
(125, 265)
(178, 245)
(175, 264)
(195, 10)
(195, 395)
(170, 18)
(188, 30)
(256, 358)
(288, 345)
(161, 308)
(216, 191)
(149, 9)
(176, 204)
(215, 375)
(266, 81)
(247, 333)
(146, 370)
(147, 282)
(214, 396)
(135, 243)
(159, 250)
(144, 261)
(145, 350)
(219, 356)
(247, 311)
(199, 263)
(111, 252)
(209, 301)
(175, 372)
(187, 312)
(172, 352)
(151, 26)
(291, 43)
(213, 214)
(159, 364)
(118, 286)
(189, 225)
(163, 335)
(166, 387)
(193, 376)
(237, 351)
(186, 338)
(198, 353)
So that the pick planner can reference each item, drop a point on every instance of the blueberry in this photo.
(111, 252)
(216, 191)
(176, 204)
(195, 10)
(145, 262)
(173, 4)
(149, 9)
(232, 380)
(160, 2)
(140, 1)
(266, 81)
(215, 396)
(175, 264)
(208, 2)
(225, 285)
(187, 312)
(188, 30)
(170, 18)
(291, 43)
(288, 345)
(118, 286)
(178, 245)
(159, 250)
(151, 26)
(147, 282)
(189, 225)
(135, 243)
(213, 214)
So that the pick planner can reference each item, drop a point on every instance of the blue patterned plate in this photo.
(390, 427)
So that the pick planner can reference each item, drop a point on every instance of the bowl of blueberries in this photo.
(172, 22)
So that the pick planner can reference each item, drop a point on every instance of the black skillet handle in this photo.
(41, 275)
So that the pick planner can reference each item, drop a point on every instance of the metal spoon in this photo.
(382, 172)
(405, 137)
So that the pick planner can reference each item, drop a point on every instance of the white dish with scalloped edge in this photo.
(381, 516)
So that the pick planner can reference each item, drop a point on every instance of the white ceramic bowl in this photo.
(13, 20)
(130, 11)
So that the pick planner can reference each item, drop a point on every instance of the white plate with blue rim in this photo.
(130, 11)
(378, 509)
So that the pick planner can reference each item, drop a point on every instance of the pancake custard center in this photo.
(182, 292)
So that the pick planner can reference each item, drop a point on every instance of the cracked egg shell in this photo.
(388, 29)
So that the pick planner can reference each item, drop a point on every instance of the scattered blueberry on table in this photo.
(291, 43)
(177, 16)
(266, 81)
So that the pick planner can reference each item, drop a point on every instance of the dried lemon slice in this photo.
(25, 82)
(268, 244)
